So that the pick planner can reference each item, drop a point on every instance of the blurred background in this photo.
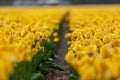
(56, 2)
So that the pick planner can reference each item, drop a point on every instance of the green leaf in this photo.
(74, 75)
(57, 67)
(37, 76)
(50, 59)
(56, 56)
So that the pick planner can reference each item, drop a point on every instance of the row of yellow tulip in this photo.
(20, 29)
(94, 45)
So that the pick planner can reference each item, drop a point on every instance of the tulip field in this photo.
(30, 36)
(27, 35)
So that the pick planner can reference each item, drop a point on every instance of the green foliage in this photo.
(74, 75)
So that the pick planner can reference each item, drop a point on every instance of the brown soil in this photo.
(61, 51)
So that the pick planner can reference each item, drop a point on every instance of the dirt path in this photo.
(61, 52)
